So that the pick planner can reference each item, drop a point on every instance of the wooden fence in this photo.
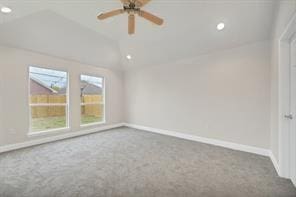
(92, 106)
(43, 106)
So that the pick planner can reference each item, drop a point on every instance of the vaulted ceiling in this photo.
(69, 29)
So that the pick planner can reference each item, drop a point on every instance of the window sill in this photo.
(48, 132)
(93, 124)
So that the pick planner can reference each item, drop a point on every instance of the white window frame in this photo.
(66, 105)
(95, 103)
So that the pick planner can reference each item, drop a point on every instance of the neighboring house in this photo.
(86, 89)
(37, 87)
(90, 89)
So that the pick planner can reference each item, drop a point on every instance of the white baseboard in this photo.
(56, 138)
(230, 145)
(221, 143)
(275, 163)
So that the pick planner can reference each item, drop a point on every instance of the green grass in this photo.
(42, 124)
(90, 119)
(49, 123)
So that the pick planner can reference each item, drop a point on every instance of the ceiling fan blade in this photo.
(141, 3)
(131, 24)
(151, 17)
(110, 14)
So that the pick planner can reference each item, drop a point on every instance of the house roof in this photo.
(89, 88)
(43, 84)
(86, 89)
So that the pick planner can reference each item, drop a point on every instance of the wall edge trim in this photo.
(67, 135)
(215, 142)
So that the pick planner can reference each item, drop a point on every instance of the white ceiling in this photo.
(50, 33)
(70, 29)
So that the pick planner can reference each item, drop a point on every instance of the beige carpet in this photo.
(125, 162)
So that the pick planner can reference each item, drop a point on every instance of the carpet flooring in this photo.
(125, 162)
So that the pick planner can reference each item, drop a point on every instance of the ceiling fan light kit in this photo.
(132, 8)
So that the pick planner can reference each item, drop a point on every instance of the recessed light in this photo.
(129, 57)
(6, 10)
(220, 26)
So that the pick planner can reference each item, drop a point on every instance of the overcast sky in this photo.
(59, 78)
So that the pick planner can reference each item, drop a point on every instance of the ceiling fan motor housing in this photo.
(131, 8)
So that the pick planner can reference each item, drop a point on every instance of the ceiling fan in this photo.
(133, 7)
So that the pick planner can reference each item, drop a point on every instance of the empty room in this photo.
(147, 98)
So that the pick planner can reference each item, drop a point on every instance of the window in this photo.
(48, 99)
(92, 100)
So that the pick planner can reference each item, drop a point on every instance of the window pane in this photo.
(51, 99)
(48, 117)
(92, 99)
(92, 113)
(48, 99)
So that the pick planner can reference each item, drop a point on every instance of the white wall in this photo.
(224, 95)
(50, 33)
(14, 109)
(285, 12)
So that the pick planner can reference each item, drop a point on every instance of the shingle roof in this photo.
(42, 84)
(90, 89)
(86, 89)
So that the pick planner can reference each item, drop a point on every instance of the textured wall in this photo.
(223, 95)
